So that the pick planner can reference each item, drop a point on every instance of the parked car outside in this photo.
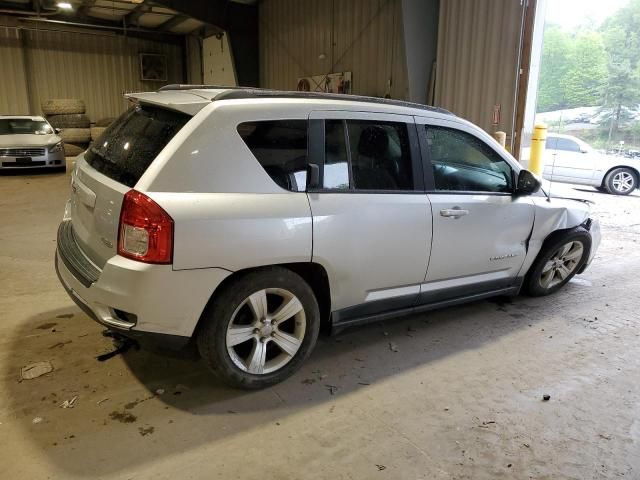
(241, 220)
(29, 142)
(567, 159)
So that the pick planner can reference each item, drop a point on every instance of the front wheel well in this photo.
(635, 171)
(313, 273)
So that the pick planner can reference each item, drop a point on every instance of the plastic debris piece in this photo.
(35, 370)
(69, 403)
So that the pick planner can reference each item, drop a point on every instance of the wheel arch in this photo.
(635, 171)
(313, 273)
(554, 236)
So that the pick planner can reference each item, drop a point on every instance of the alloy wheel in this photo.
(623, 182)
(561, 264)
(266, 331)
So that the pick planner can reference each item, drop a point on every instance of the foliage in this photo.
(595, 66)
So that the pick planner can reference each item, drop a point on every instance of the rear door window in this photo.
(367, 155)
(132, 142)
(280, 146)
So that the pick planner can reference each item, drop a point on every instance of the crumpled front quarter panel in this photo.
(550, 216)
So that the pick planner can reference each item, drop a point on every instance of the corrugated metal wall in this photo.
(478, 59)
(14, 99)
(361, 36)
(60, 64)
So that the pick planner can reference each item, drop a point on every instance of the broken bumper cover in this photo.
(136, 299)
(592, 225)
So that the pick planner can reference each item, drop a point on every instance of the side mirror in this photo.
(528, 183)
(583, 150)
(57, 130)
(313, 176)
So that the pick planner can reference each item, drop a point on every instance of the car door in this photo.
(480, 229)
(569, 161)
(371, 218)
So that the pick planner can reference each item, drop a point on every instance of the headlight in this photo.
(56, 148)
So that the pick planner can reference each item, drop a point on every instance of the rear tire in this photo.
(621, 181)
(72, 150)
(75, 135)
(560, 259)
(249, 339)
(69, 120)
(63, 105)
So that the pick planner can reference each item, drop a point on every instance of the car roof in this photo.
(562, 135)
(190, 98)
(22, 117)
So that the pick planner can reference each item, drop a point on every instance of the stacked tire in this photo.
(68, 115)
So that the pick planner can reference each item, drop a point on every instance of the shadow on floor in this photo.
(118, 399)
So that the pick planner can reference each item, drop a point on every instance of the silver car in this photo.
(567, 159)
(29, 142)
(241, 220)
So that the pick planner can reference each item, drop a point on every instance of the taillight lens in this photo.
(146, 230)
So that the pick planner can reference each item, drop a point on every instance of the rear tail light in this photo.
(146, 230)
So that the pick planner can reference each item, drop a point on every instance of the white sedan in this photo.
(568, 159)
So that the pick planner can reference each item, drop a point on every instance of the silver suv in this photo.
(241, 220)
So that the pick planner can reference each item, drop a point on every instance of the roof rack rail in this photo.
(181, 86)
(238, 93)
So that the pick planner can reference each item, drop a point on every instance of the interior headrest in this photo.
(374, 142)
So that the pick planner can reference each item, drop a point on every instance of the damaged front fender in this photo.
(558, 214)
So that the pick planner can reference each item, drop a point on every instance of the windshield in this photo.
(127, 148)
(25, 126)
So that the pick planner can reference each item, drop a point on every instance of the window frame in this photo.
(429, 179)
(317, 154)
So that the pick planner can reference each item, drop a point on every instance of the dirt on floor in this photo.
(453, 394)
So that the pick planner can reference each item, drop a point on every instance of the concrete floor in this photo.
(461, 398)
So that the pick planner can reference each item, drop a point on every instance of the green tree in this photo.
(621, 33)
(553, 68)
(573, 72)
(586, 76)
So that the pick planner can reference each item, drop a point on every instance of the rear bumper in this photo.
(140, 300)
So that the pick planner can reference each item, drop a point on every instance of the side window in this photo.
(567, 145)
(336, 161)
(281, 148)
(380, 155)
(462, 162)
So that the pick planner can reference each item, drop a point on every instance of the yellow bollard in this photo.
(538, 142)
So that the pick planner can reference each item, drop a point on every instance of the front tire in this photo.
(259, 330)
(621, 181)
(560, 259)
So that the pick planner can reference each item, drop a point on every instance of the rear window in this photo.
(281, 148)
(127, 148)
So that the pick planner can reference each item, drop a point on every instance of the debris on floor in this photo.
(121, 344)
(123, 417)
(69, 403)
(59, 344)
(332, 389)
(393, 347)
(46, 326)
(100, 402)
(65, 315)
(546, 397)
(159, 391)
(146, 431)
(35, 370)
(37, 420)
(380, 467)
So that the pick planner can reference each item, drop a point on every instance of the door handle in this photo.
(455, 212)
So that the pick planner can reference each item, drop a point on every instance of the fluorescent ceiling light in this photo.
(64, 5)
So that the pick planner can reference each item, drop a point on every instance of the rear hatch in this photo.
(110, 168)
